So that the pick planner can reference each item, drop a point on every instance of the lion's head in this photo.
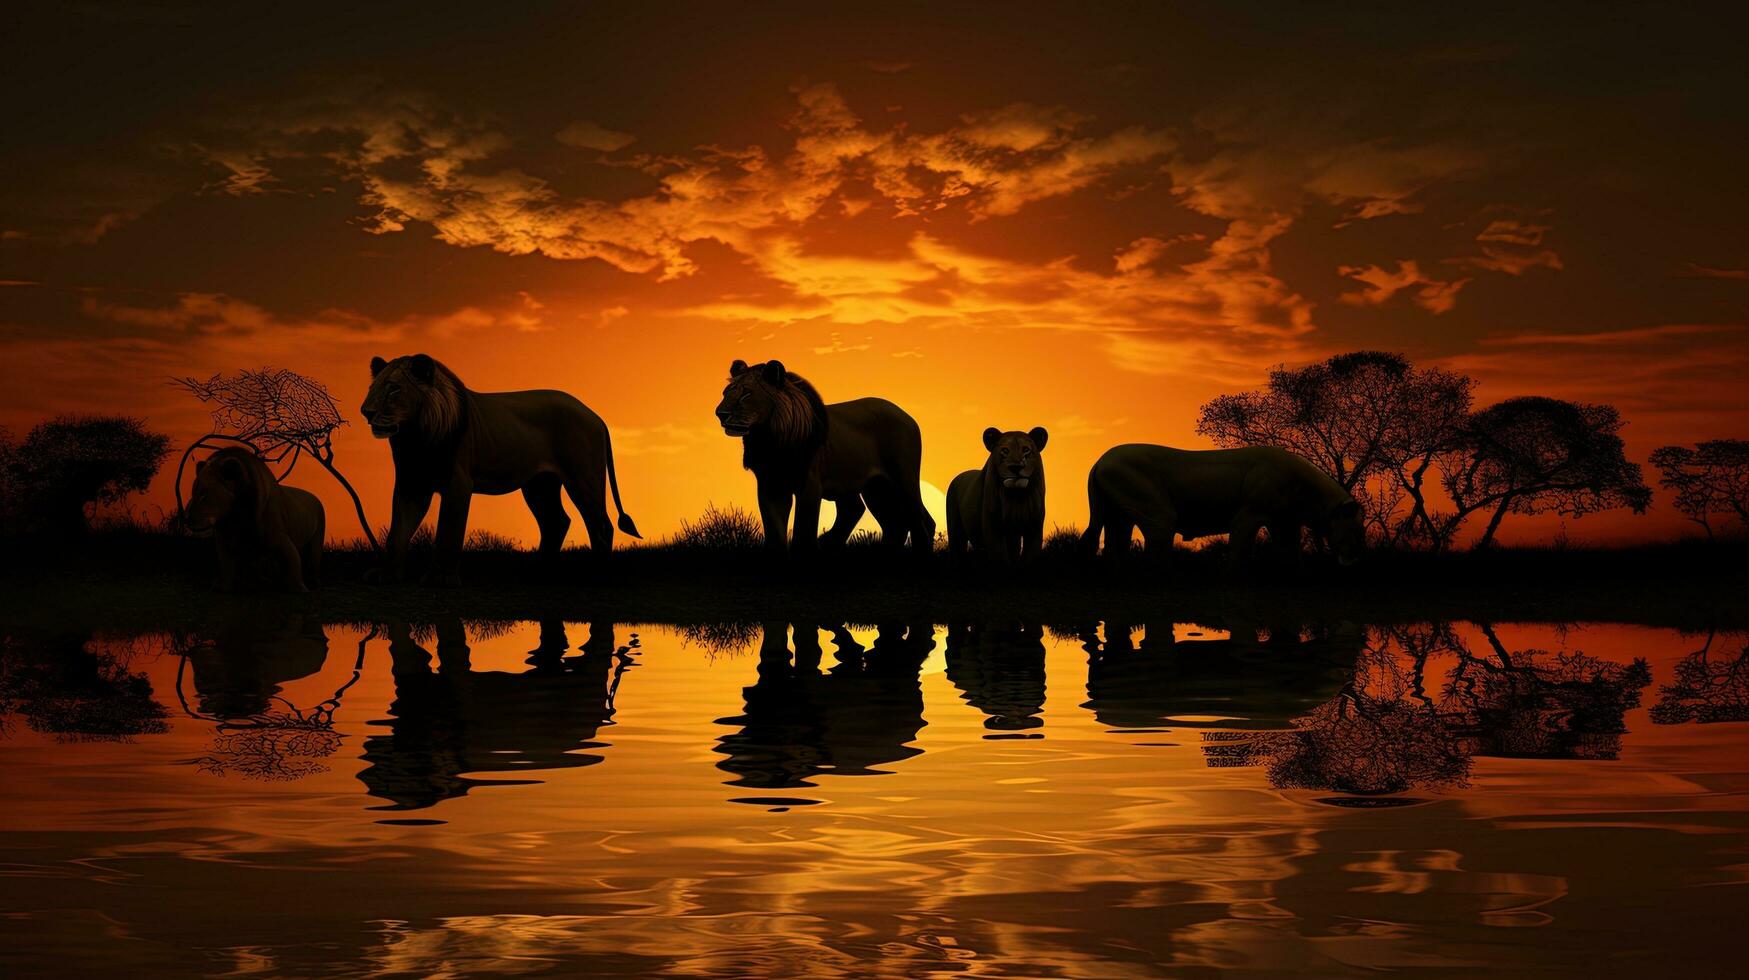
(766, 398)
(413, 395)
(230, 482)
(1014, 456)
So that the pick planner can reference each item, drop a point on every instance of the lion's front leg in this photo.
(774, 507)
(1242, 540)
(409, 508)
(807, 533)
(452, 532)
(291, 564)
(1033, 542)
(227, 580)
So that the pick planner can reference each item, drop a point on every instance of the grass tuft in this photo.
(718, 529)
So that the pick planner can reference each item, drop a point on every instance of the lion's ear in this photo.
(738, 368)
(231, 468)
(199, 464)
(990, 436)
(376, 366)
(1039, 435)
(775, 373)
(1345, 510)
(424, 368)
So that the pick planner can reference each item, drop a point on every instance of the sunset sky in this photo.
(995, 215)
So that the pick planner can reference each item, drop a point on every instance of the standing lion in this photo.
(263, 532)
(452, 442)
(800, 449)
(1203, 492)
(1000, 509)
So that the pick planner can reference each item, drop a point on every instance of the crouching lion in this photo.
(1000, 509)
(800, 449)
(453, 442)
(265, 533)
(1198, 493)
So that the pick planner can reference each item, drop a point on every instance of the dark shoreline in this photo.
(1695, 586)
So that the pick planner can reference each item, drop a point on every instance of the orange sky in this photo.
(1092, 223)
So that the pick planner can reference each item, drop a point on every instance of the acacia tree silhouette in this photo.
(279, 414)
(1384, 429)
(1710, 479)
(71, 461)
(1532, 455)
(1371, 420)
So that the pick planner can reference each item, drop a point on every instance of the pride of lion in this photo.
(450, 442)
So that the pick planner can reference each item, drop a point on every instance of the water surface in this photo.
(903, 799)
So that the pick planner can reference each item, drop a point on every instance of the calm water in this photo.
(912, 800)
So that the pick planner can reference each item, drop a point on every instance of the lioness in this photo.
(1198, 493)
(801, 449)
(1000, 509)
(453, 442)
(264, 532)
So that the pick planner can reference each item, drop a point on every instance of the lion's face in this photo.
(216, 487)
(1014, 456)
(398, 393)
(1346, 533)
(750, 398)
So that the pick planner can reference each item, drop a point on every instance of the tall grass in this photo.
(719, 529)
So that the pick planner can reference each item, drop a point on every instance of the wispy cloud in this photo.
(589, 135)
(1513, 246)
(1697, 271)
(1380, 284)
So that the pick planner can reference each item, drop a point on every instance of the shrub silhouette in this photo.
(1062, 542)
(720, 529)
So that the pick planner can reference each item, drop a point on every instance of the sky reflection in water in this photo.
(904, 799)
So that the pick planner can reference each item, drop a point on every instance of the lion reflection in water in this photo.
(800, 722)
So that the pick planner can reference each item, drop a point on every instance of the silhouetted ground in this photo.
(134, 579)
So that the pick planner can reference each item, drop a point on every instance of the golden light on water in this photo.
(890, 834)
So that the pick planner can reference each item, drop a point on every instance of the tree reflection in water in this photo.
(1384, 734)
(76, 688)
(1706, 690)
(237, 675)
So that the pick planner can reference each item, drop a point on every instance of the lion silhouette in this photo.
(1000, 509)
(802, 450)
(451, 442)
(1198, 493)
(264, 533)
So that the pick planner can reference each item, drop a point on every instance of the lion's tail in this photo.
(1095, 516)
(626, 524)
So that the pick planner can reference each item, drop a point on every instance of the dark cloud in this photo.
(1193, 194)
